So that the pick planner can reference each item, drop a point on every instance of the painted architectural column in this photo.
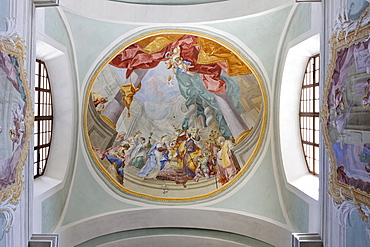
(232, 117)
(115, 108)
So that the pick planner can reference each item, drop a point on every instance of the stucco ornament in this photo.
(345, 108)
(347, 207)
(344, 24)
(16, 120)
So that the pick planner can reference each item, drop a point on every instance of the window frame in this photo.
(41, 151)
(311, 79)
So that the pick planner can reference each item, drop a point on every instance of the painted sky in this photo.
(155, 91)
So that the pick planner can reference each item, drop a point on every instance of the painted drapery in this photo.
(207, 57)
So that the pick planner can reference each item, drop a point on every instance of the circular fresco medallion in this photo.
(174, 116)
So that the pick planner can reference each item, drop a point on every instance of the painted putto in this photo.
(167, 114)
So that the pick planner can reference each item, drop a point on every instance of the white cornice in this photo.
(46, 3)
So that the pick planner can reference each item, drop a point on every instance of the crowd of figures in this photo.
(180, 157)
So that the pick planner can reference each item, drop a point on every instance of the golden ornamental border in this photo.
(164, 199)
(342, 38)
(14, 45)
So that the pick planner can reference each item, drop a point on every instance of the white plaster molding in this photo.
(47, 240)
(343, 25)
(306, 239)
(172, 240)
(8, 210)
(11, 32)
(46, 3)
(168, 2)
(13, 8)
(209, 219)
(346, 208)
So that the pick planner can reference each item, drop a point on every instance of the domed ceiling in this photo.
(174, 116)
(170, 11)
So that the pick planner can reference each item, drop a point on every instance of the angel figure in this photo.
(176, 62)
(19, 127)
(170, 81)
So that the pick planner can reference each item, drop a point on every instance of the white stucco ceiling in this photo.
(139, 13)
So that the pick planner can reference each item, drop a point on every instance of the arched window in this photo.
(43, 118)
(309, 114)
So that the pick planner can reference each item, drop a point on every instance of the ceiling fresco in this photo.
(16, 121)
(345, 112)
(174, 116)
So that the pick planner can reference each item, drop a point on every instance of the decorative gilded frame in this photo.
(12, 44)
(346, 197)
(137, 195)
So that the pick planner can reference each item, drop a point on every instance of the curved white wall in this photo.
(290, 140)
(174, 217)
(137, 13)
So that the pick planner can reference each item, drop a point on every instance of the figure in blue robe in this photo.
(157, 158)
